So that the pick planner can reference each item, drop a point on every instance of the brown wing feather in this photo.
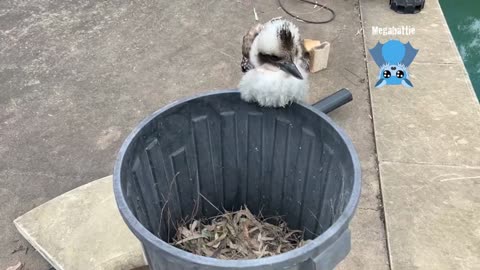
(247, 44)
(304, 55)
(249, 37)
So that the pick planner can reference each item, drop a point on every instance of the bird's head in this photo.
(278, 45)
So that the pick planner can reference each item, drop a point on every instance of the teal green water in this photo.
(463, 18)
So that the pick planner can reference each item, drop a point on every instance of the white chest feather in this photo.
(272, 87)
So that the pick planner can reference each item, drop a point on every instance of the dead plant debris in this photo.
(237, 235)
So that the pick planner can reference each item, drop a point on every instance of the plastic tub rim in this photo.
(307, 250)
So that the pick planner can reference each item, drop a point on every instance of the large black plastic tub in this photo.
(294, 162)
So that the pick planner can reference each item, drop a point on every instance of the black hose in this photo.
(308, 21)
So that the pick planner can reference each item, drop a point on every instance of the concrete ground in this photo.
(76, 77)
(428, 146)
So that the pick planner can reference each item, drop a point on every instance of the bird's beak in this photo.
(290, 68)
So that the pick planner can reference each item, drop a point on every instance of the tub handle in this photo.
(335, 100)
(328, 259)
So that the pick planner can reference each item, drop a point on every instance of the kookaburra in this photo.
(274, 65)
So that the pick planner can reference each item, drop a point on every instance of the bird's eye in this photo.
(274, 58)
(269, 58)
(387, 74)
(400, 74)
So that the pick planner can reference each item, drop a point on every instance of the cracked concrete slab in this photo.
(82, 229)
(432, 215)
(428, 147)
(435, 122)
